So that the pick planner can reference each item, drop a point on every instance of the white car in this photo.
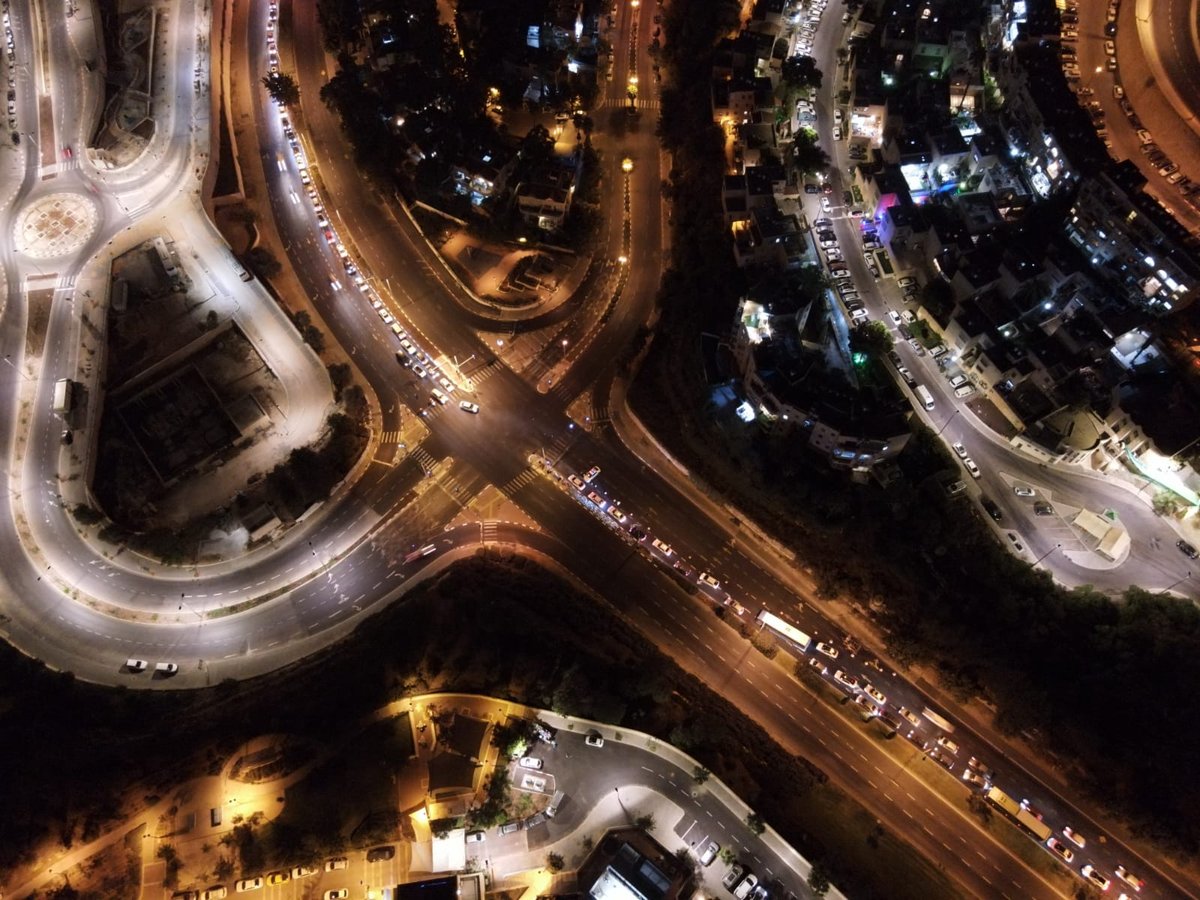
(303, 871)
(475, 837)
(874, 693)
(843, 678)
(594, 739)
(166, 668)
(529, 762)
(249, 884)
(895, 317)
(1023, 491)
(859, 314)
(709, 853)
(944, 741)
(439, 397)
(705, 578)
(1074, 837)
(136, 665)
(662, 547)
(971, 467)
(1129, 878)
(827, 649)
(1091, 874)
(214, 893)
(617, 513)
(468, 406)
(337, 894)
(338, 862)
(742, 891)
(1061, 849)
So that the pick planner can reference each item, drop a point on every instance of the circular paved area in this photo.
(54, 225)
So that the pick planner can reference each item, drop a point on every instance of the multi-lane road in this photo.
(352, 559)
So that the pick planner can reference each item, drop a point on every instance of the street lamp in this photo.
(1185, 577)
(947, 422)
(1047, 553)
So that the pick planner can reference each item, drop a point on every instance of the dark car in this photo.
(811, 188)
(1187, 549)
(1042, 508)
(992, 509)
(375, 854)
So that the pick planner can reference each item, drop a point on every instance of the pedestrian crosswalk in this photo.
(391, 437)
(424, 459)
(515, 484)
(622, 103)
(490, 531)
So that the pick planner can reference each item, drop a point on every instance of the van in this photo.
(214, 816)
(924, 396)
(555, 803)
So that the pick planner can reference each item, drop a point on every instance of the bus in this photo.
(782, 628)
(924, 396)
(939, 720)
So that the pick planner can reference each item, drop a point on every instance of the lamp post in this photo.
(1185, 577)
(1047, 553)
(947, 422)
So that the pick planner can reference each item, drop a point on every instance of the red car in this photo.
(68, 153)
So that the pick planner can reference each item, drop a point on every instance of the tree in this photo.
(872, 338)
(263, 262)
(807, 157)
(755, 823)
(340, 377)
(801, 72)
(818, 879)
(700, 774)
(282, 88)
(645, 822)
(554, 862)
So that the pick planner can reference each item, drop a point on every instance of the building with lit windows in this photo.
(1113, 228)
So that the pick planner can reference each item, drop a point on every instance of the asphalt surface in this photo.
(358, 545)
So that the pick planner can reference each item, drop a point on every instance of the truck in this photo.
(1003, 802)
(63, 396)
(924, 396)
(1035, 826)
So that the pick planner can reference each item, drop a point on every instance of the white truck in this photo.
(63, 396)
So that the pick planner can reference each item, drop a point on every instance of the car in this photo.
(894, 316)
(818, 665)
(1169, 169)
(1175, 177)
(662, 547)
(858, 314)
(419, 370)
(594, 739)
(439, 397)
(1118, 92)
(336, 863)
(1015, 541)
(303, 871)
(991, 508)
(249, 884)
(826, 206)
(510, 827)
(944, 741)
(749, 883)
(823, 223)
(874, 693)
(1186, 549)
(1022, 490)
(1061, 849)
(810, 188)
(597, 499)
(942, 757)
(576, 481)
(965, 391)
(166, 668)
(278, 877)
(214, 893)
(970, 776)
(1145, 136)
(709, 853)
(475, 837)
(1130, 879)
(1095, 877)
(958, 380)
(956, 488)
(916, 345)
(972, 468)
(529, 762)
(845, 678)
(904, 373)
(708, 579)
(959, 449)
(377, 854)
(733, 876)
(591, 474)
(864, 703)
(827, 649)
(910, 716)
(337, 893)
(908, 316)
(468, 406)
(1042, 508)
(617, 513)
(136, 665)
(186, 895)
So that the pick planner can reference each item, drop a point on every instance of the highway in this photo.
(316, 585)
